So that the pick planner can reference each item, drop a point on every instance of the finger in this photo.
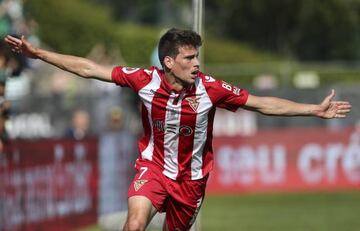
(23, 39)
(340, 107)
(343, 105)
(340, 116)
(330, 97)
(13, 39)
(343, 111)
(13, 43)
(341, 102)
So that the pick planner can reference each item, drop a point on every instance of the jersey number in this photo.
(143, 170)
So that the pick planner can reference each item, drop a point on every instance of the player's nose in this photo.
(196, 62)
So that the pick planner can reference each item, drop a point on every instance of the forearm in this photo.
(278, 106)
(77, 65)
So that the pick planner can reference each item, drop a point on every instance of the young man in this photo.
(178, 107)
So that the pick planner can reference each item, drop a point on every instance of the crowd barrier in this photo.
(61, 184)
(48, 185)
(293, 159)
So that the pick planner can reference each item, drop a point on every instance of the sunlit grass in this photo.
(280, 212)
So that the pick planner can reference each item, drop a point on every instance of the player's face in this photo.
(185, 66)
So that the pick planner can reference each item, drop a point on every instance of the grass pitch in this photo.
(336, 211)
(282, 212)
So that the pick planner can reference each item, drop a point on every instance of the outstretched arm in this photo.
(327, 109)
(77, 65)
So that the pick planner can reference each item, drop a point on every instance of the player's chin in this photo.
(193, 77)
(191, 80)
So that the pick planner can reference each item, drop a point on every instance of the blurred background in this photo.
(68, 145)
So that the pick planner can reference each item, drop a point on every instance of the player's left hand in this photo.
(333, 109)
(21, 46)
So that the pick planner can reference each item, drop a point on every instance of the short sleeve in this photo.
(134, 78)
(225, 95)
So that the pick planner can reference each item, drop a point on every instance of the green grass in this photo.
(280, 212)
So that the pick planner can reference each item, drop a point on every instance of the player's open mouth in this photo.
(195, 72)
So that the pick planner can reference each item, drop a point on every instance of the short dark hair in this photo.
(173, 39)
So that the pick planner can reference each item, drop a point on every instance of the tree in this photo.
(306, 29)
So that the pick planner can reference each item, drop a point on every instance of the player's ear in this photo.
(168, 62)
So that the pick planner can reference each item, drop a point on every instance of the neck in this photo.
(175, 82)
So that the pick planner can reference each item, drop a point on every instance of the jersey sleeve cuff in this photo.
(115, 75)
(245, 96)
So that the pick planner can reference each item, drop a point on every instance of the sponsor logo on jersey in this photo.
(158, 124)
(193, 102)
(183, 130)
(138, 184)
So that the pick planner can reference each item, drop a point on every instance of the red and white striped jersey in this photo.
(178, 125)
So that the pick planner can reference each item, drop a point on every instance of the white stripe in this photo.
(200, 133)
(171, 137)
(147, 94)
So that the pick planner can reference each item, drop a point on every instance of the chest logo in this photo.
(193, 102)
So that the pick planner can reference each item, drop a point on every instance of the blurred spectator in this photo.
(5, 21)
(12, 21)
(115, 119)
(3, 69)
(79, 125)
(117, 147)
(4, 104)
(154, 58)
(12, 18)
(265, 82)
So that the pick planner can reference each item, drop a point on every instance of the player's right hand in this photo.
(330, 109)
(21, 46)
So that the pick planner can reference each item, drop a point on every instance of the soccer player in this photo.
(178, 107)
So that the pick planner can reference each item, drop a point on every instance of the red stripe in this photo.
(208, 159)
(144, 141)
(186, 142)
(158, 113)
